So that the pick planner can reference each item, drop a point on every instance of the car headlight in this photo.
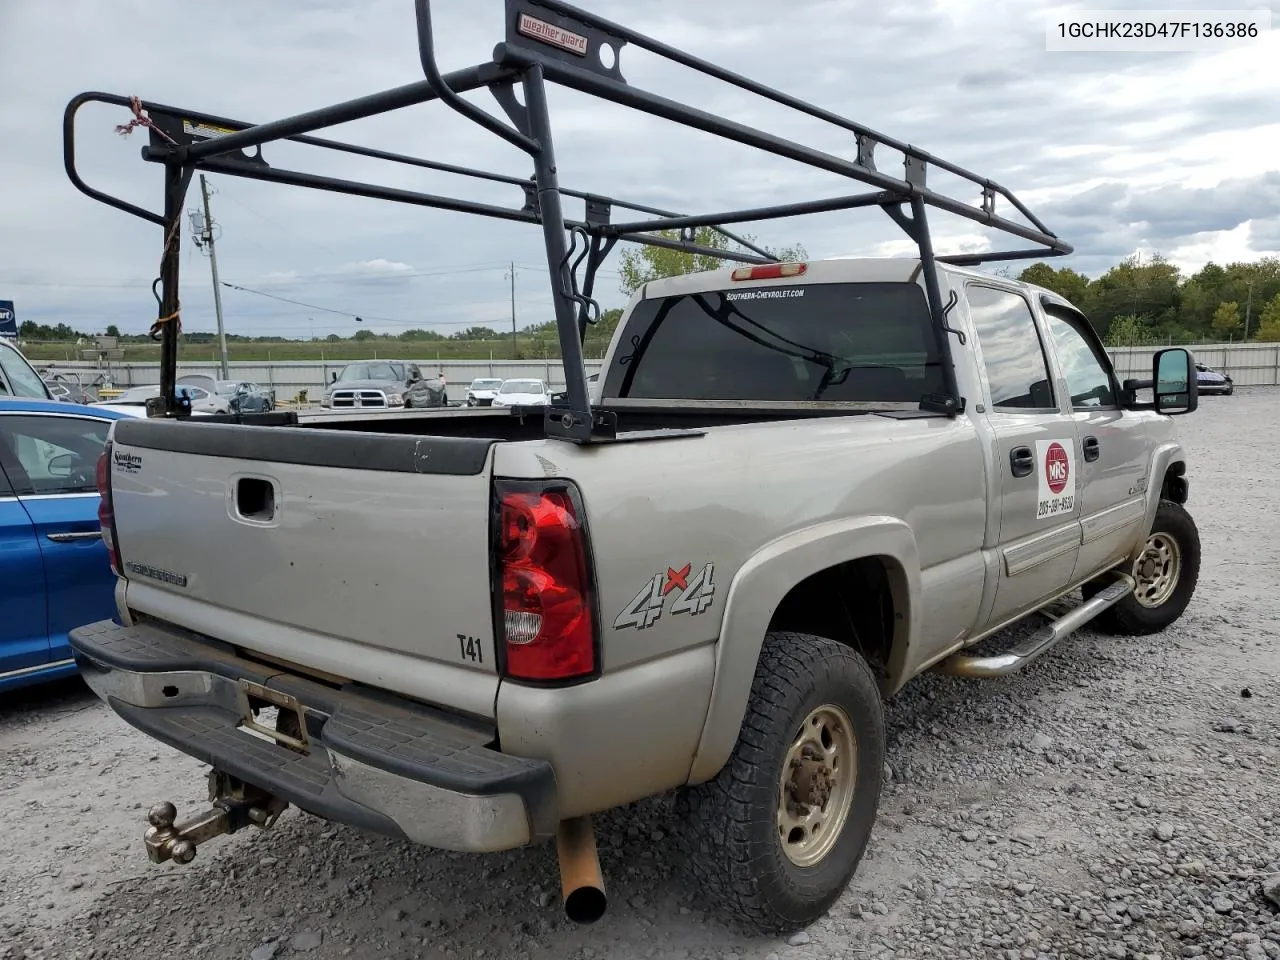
(395, 399)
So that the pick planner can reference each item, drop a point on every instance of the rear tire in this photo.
(764, 862)
(1167, 572)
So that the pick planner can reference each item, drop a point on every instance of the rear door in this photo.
(1036, 454)
(24, 641)
(1113, 446)
(55, 479)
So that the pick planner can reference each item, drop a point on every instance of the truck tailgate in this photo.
(363, 556)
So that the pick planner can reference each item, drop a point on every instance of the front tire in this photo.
(1167, 571)
(774, 839)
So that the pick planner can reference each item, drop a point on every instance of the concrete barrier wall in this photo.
(1251, 364)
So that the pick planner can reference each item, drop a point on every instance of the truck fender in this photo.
(1164, 455)
(759, 587)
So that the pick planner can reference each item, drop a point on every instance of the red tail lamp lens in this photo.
(106, 509)
(547, 625)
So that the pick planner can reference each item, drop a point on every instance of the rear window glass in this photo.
(869, 342)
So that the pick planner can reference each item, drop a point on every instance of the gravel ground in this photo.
(1118, 799)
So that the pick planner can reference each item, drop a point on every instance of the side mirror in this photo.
(333, 376)
(62, 465)
(1174, 381)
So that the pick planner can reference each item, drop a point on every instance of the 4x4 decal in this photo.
(696, 594)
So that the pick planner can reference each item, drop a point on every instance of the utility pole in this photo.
(515, 346)
(1137, 267)
(1248, 307)
(204, 237)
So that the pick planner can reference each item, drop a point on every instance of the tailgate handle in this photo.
(255, 499)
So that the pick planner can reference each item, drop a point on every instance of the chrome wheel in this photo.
(1156, 570)
(816, 789)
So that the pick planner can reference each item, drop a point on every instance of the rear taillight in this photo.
(106, 509)
(545, 602)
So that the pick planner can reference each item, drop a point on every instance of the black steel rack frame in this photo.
(551, 41)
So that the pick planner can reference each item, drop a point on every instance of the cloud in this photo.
(1264, 235)
(377, 269)
(1113, 151)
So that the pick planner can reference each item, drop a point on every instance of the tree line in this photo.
(1148, 300)
(1141, 300)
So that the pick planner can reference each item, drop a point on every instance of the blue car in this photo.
(55, 573)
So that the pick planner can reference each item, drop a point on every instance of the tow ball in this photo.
(234, 805)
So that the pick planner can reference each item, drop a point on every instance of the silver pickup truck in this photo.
(795, 487)
(720, 608)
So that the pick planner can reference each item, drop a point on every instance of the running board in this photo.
(1003, 664)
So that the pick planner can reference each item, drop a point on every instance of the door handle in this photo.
(1092, 450)
(1021, 461)
(73, 537)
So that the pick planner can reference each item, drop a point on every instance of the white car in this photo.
(482, 391)
(134, 400)
(522, 393)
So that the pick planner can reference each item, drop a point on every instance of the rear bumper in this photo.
(374, 761)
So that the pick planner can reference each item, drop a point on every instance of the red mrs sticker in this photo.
(1057, 467)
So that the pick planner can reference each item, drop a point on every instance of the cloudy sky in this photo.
(1117, 152)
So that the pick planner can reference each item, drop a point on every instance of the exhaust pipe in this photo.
(581, 883)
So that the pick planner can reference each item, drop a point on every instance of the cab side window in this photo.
(1011, 351)
(1087, 378)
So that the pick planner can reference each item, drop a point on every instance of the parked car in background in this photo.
(522, 393)
(383, 384)
(17, 377)
(68, 391)
(1210, 380)
(55, 573)
(482, 391)
(593, 391)
(246, 396)
(133, 402)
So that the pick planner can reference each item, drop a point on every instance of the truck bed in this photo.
(361, 549)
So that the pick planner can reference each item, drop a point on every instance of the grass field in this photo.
(337, 352)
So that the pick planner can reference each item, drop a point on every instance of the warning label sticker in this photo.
(1057, 478)
(205, 131)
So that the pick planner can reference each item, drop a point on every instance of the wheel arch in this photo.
(777, 579)
(1167, 481)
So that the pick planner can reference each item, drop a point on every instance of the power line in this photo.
(105, 283)
(276, 223)
(309, 306)
(361, 318)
